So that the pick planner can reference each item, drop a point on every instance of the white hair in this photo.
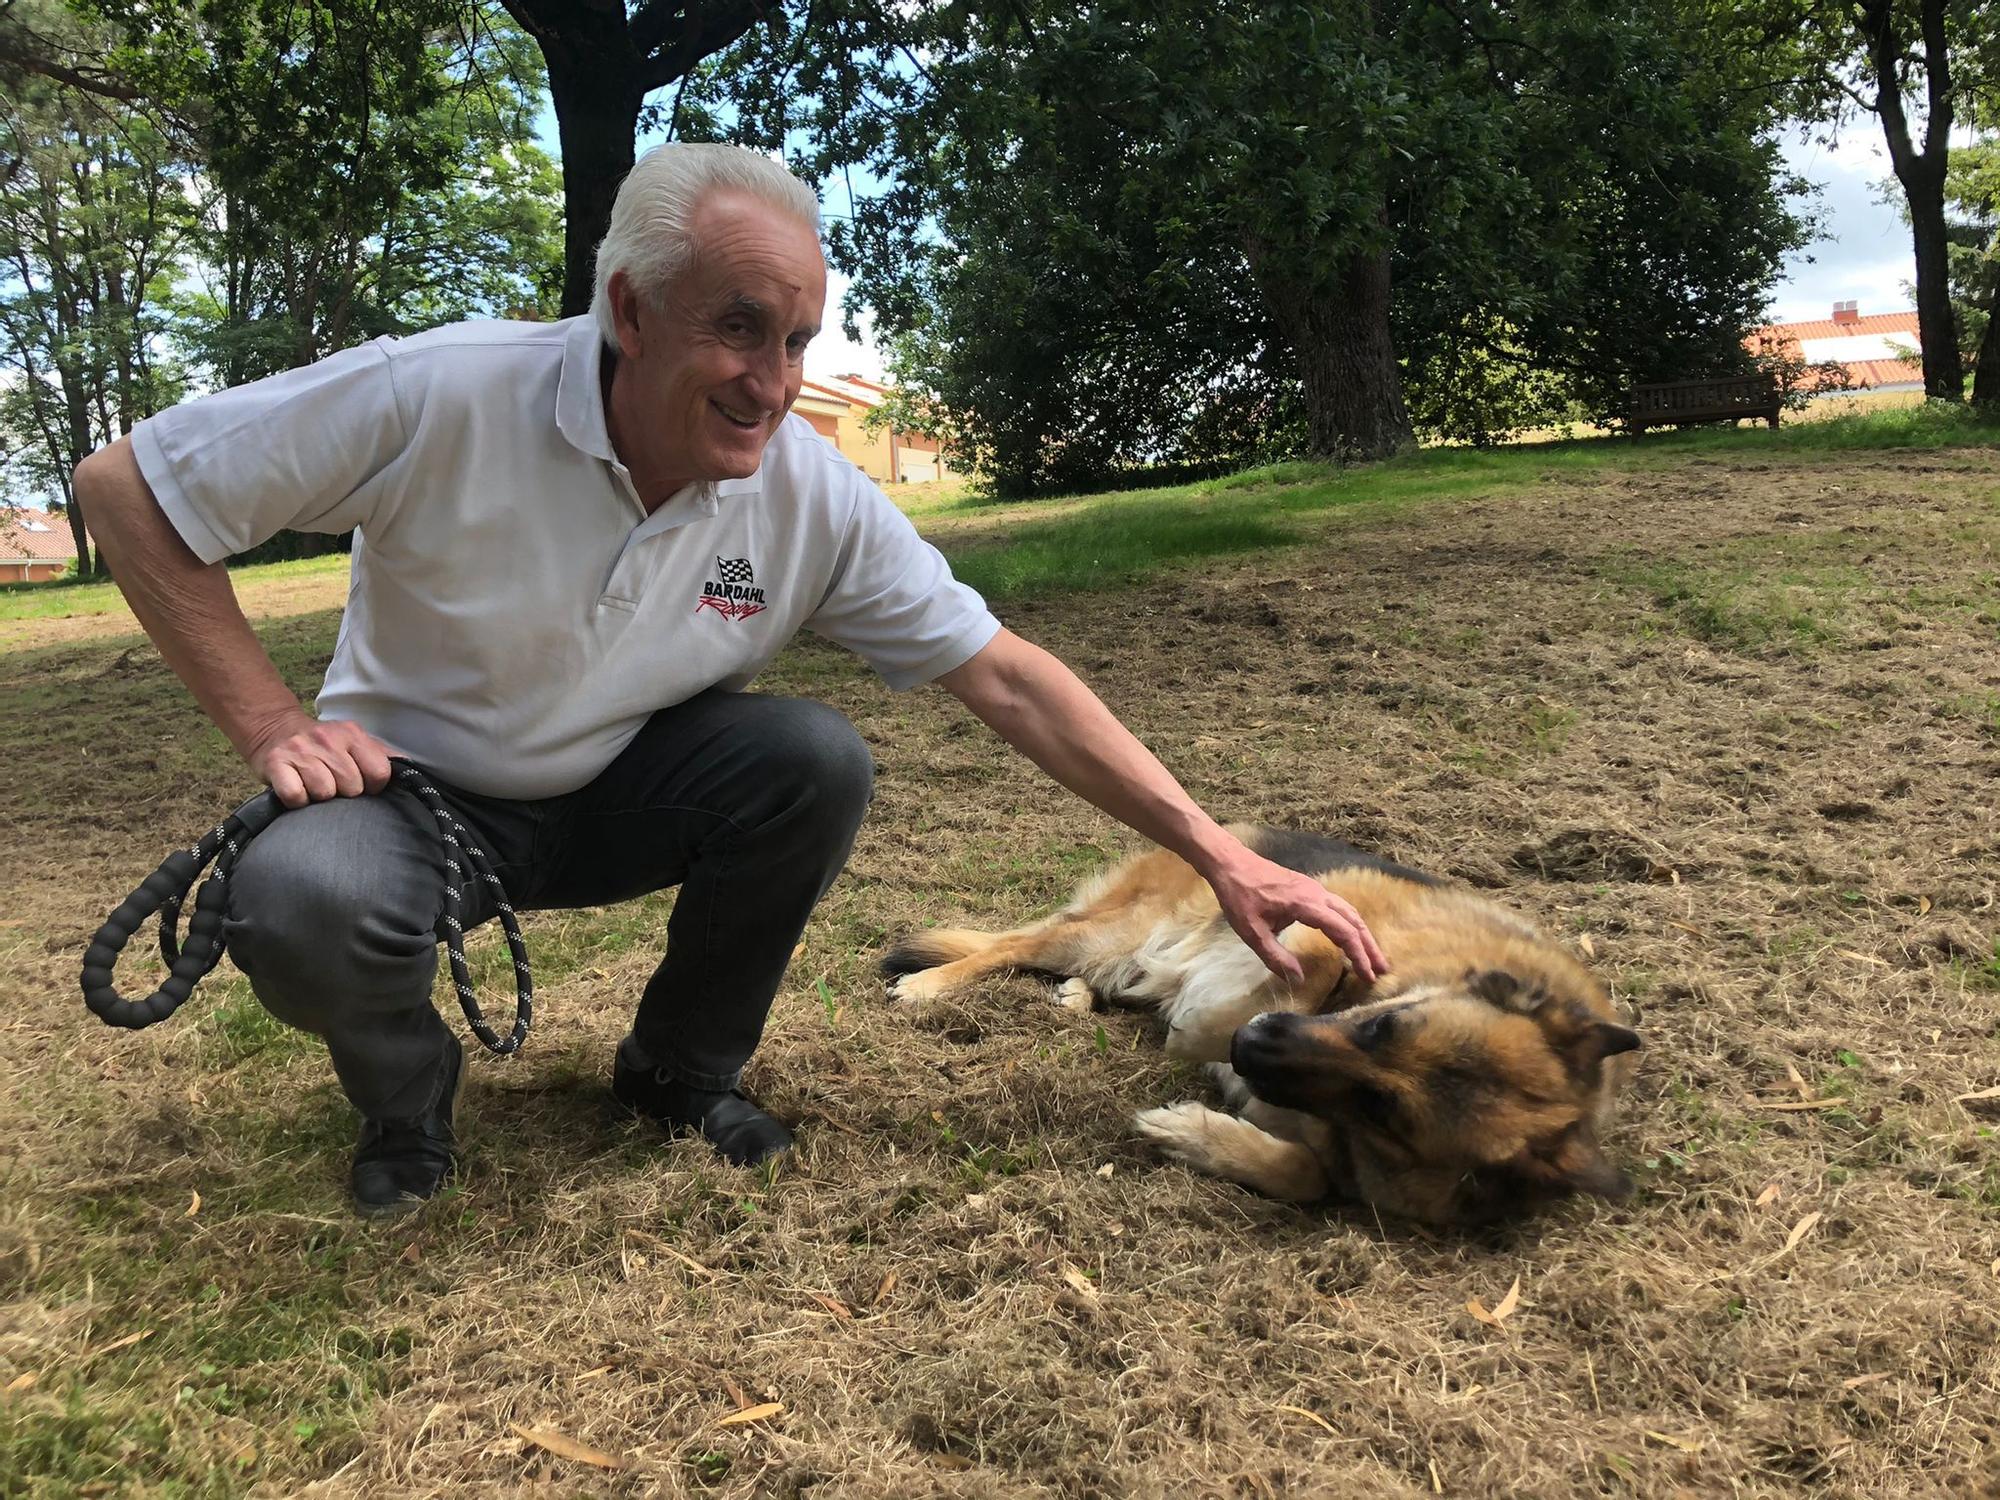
(651, 237)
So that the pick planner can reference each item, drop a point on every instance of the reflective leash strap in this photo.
(166, 890)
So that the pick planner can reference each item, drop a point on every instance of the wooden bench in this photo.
(1675, 402)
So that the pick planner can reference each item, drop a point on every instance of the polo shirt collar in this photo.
(580, 391)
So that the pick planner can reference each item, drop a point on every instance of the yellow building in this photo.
(837, 409)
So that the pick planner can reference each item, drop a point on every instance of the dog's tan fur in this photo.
(1472, 1081)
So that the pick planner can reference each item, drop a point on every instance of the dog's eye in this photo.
(1374, 1107)
(1374, 1031)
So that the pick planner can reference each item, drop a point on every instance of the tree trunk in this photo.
(1937, 321)
(1346, 356)
(596, 118)
(1922, 176)
(1986, 373)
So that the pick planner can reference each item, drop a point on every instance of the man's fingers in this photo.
(316, 778)
(373, 758)
(1276, 956)
(285, 783)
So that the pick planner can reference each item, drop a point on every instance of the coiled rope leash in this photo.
(166, 890)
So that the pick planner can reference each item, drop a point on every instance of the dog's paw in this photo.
(1076, 994)
(1179, 1130)
(916, 988)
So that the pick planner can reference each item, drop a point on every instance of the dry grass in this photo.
(1732, 719)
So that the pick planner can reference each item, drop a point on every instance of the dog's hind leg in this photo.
(933, 965)
(1224, 1146)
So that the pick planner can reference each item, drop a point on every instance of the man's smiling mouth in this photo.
(748, 424)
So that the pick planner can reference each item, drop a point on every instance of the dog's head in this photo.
(1460, 1097)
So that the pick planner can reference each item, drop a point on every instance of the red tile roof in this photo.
(1826, 328)
(20, 541)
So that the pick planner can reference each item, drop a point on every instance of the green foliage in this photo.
(1143, 233)
(370, 170)
(92, 221)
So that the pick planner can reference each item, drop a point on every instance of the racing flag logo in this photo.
(734, 594)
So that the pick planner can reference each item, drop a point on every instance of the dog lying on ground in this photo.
(1469, 1083)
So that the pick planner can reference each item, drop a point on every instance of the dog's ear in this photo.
(1505, 991)
(1602, 1039)
(1573, 1163)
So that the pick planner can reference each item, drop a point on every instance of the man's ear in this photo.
(624, 300)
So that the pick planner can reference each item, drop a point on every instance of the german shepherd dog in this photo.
(1470, 1083)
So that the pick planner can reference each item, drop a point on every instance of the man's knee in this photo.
(820, 757)
(327, 907)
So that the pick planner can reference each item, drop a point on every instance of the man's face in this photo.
(714, 368)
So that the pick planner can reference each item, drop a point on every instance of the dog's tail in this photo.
(941, 945)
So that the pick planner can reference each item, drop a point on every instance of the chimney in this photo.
(1847, 312)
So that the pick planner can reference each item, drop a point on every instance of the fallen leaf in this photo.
(752, 1414)
(1686, 1445)
(412, 1254)
(1106, 1170)
(743, 1402)
(25, 1381)
(1769, 1195)
(1858, 1381)
(124, 1343)
(1500, 1314)
(882, 1290)
(1589, 948)
(1974, 1098)
(1795, 1105)
(567, 1447)
(1689, 927)
(194, 1205)
(1923, 906)
(833, 1305)
(1798, 1082)
(1799, 1231)
(1311, 1416)
(958, 1463)
(1080, 1282)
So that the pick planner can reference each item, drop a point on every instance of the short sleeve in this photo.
(299, 450)
(893, 601)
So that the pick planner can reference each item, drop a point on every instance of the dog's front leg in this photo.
(1224, 1146)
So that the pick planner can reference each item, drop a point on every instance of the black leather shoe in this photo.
(401, 1164)
(740, 1132)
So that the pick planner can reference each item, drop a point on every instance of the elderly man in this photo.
(576, 545)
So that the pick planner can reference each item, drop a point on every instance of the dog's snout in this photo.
(1257, 1037)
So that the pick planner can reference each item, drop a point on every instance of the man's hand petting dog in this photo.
(1261, 899)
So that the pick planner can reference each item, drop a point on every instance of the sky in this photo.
(1866, 257)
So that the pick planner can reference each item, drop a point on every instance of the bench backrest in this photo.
(1732, 393)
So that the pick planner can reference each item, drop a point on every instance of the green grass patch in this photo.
(61, 598)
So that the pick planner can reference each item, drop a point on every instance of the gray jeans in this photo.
(748, 803)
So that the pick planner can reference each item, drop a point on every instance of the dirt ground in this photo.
(1731, 727)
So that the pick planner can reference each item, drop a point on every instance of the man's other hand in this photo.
(1262, 899)
(313, 760)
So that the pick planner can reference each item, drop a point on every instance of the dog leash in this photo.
(166, 891)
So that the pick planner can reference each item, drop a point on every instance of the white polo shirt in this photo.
(514, 614)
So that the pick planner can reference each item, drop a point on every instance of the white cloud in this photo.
(1866, 255)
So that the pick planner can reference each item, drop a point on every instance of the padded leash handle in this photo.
(166, 890)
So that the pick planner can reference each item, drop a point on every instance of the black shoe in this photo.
(400, 1164)
(741, 1132)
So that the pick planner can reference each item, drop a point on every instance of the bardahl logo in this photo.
(734, 594)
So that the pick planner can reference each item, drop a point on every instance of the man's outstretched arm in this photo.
(189, 609)
(1041, 708)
